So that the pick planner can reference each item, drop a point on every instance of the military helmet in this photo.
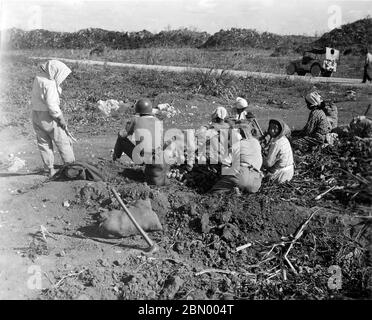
(143, 106)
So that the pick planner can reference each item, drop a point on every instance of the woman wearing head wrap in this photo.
(218, 116)
(212, 139)
(244, 171)
(279, 160)
(317, 126)
(240, 110)
(47, 118)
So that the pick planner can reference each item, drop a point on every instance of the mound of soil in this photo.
(99, 38)
(236, 38)
(354, 35)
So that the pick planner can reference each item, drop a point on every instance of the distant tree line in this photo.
(89, 38)
(356, 34)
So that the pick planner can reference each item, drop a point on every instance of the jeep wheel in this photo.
(291, 69)
(315, 70)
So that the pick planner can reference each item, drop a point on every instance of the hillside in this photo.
(246, 38)
(353, 36)
(89, 38)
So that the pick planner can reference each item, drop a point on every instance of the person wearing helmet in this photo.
(279, 160)
(317, 126)
(47, 118)
(244, 171)
(143, 119)
(147, 132)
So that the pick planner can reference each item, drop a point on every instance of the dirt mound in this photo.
(236, 38)
(355, 35)
(99, 195)
(93, 37)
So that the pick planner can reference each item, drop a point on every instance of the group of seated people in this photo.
(248, 155)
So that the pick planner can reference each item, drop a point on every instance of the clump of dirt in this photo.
(37, 247)
(98, 195)
(236, 218)
(93, 192)
(135, 277)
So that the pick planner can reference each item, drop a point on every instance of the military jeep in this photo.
(317, 61)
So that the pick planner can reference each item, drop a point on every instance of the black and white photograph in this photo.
(185, 156)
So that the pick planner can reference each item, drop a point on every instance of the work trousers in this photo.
(48, 131)
(247, 180)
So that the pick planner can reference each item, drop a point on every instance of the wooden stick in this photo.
(273, 275)
(243, 247)
(217, 271)
(284, 275)
(44, 232)
(298, 235)
(324, 193)
(258, 126)
(365, 113)
(69, 275)
(69, 134)
(362, 180)
(138, 227)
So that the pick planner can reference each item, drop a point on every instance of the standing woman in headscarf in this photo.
(367, 75)
(47, 118)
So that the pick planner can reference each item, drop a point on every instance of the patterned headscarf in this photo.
(314, 99)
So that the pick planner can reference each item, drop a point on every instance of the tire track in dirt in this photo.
(239, 73)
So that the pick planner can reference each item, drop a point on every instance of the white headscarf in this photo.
(219, 112)
(241, 103)
(57, 71)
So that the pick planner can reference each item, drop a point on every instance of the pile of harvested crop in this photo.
(347, 164)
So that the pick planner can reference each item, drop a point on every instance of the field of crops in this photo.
(201, 232)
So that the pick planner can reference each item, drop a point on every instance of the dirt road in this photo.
(239, 73)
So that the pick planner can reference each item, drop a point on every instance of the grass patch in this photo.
(256, 60)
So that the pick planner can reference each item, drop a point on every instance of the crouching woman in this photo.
(317, 127)
(279, 159)
(244, 172)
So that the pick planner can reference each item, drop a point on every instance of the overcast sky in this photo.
(278, 16)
